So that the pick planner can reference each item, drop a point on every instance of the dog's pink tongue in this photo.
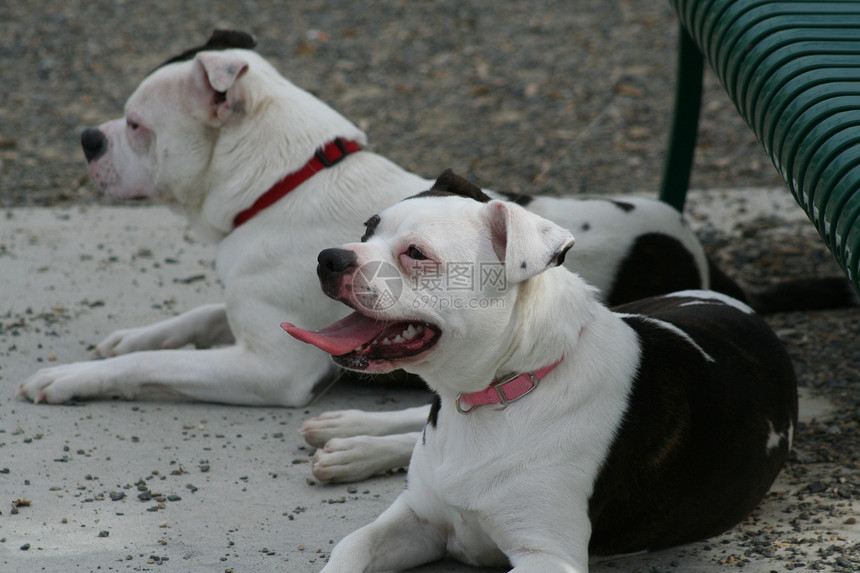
(339, 338)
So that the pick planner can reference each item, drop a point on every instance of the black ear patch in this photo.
(370, 228)
(558, 258)
(449, 183)
(219, 40)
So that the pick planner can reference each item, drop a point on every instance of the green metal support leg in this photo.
(685, 122)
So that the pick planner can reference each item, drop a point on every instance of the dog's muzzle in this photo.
(332, 265)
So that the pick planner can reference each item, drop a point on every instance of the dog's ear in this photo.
(450, 182)
(526, 243)
(218, 73)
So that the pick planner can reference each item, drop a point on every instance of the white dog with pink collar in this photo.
(656, 424)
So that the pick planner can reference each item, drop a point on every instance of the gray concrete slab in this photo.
(235, 481)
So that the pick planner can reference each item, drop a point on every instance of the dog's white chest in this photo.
(440, 491)
(476, 484)
(468, 541)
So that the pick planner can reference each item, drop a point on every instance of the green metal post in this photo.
(685, 122)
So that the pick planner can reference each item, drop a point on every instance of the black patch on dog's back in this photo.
(625, 206)
(692, 456)
(656, 264)
(518, 198)
(219, 40)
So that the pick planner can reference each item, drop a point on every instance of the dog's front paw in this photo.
(360, 457)
(337, 424)
(60, 384)
(346, 460)
(130, 340)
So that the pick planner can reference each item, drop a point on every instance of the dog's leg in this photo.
(232, 375)
(348, 423)
(204, 327)
(360, 457)
(397, 540)
(540, 532)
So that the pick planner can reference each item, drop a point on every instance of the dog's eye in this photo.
(414, 253)
(132, 125)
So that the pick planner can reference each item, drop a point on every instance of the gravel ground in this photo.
(536, 96)
(544, 96)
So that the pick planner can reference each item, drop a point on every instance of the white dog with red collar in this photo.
(660, 423)
(273, 173)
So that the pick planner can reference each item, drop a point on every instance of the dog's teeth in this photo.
(410, 332)
(358, 348)
(398, 339)
(386, 341)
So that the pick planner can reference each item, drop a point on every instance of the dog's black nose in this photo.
(334, 262)
(94, 143)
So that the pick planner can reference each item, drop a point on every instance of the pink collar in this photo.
(505, 390)
(327, 156)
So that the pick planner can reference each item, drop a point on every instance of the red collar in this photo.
(331, 154)
(505, 390)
